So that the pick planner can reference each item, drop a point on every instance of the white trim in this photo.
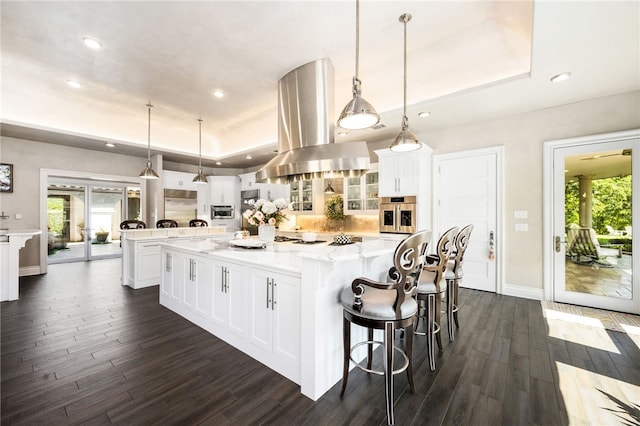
(45, 174)
(523, 291)
(499, 241)
(547, 194)
(25, 271)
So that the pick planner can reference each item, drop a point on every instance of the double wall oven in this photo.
(398, 215)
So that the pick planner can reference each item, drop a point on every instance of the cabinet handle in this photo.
(168, 262)
(273, 294)
(268, 284)
(226, 279)
(222, 279)
(150, 245)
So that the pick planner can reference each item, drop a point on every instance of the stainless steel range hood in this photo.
(306, 148)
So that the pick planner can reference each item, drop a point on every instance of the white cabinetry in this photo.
(225, 190)
(398, 172)
(361, 194)
(307, 196)
(172, 275)
(268, 191)
(229, 284)
(274, 318)
(140, 263)
(198, 284)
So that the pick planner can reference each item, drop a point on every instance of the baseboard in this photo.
(522, 291)
(29, 270)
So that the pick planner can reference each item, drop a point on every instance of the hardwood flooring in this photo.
(78, 348)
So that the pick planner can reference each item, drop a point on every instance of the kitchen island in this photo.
(279, 304)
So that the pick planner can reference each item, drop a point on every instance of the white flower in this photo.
(281, 203)
(269, 208)
(258, 204)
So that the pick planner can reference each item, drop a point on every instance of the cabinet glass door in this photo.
(307, 195)
(371, 191)
(353, 194)
(295, 196)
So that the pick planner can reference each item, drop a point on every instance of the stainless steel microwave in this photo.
(222, 212)
(398, 215)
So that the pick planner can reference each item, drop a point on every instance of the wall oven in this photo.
(398, 215)
(222, 212)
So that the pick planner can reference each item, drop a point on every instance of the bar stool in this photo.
(431, 289)
(193, 223)
(387, 306)
(453, 275)
(132, 224)
(166, 223)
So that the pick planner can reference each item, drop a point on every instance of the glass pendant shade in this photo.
(200, 177)
(406, 139)
(358, 114)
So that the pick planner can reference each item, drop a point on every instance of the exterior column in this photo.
(586, 199)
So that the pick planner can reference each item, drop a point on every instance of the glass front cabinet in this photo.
(361, 194)
(302, 196)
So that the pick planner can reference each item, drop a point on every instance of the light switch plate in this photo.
(522, 227)
(18, 216)
(520, 214)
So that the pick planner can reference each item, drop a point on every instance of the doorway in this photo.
(82, 214)
(590, 232)
(468, 189)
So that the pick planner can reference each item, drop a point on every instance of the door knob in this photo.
(558, 242)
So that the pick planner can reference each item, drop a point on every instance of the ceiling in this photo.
(467, 61)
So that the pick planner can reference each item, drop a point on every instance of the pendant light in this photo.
(148, 172)
(329, 189)
(200, 177)
(358, 114)
(406, 140)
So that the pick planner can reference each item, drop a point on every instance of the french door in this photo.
(83, 218)
(592, 221)
(467, 190)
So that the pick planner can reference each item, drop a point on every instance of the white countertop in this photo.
(286, 256)
(161, 233)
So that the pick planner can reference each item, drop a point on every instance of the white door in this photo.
(467, 190)
(597, 170)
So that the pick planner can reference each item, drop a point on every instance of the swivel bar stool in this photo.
(387, 306)
(431, 288)
(453, 275)
(166, 223)
(132, 224)
(193, 223)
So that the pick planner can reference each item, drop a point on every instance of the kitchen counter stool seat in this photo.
(193, 223)
(453, 276)
(387, 306)
(166, 223)
(430, 290)
(132, 224)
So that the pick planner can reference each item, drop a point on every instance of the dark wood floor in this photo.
(78, 348)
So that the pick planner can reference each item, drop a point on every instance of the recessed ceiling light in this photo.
(110, 145)
(74, 84)
(218, 163)
(91, 43)
(342, 133)
(561, 77)
(248, 157)
(424, 114)
(218, 93)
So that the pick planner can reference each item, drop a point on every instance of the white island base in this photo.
(10, 261)
(280, 305)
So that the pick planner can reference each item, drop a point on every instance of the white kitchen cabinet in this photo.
(274, 315)
(224, 190)
(398, 172)
(173, 274)
(361, 194)
(229, 300)
(140, 263)
(198, 284)
(268, 191)
(307, 196)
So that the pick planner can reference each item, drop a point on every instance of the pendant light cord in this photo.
(404, 18)
(357, 38)
(200, 145)
(149, 106)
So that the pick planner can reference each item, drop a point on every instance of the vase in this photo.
(267, 233)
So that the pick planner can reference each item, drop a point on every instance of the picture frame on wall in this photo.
(6, 177)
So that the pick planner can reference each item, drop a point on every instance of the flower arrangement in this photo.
(334, 208)
(267, 212)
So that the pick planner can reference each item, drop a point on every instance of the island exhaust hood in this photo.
(306, 148)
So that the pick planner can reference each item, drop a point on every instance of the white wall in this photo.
(522, 136)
